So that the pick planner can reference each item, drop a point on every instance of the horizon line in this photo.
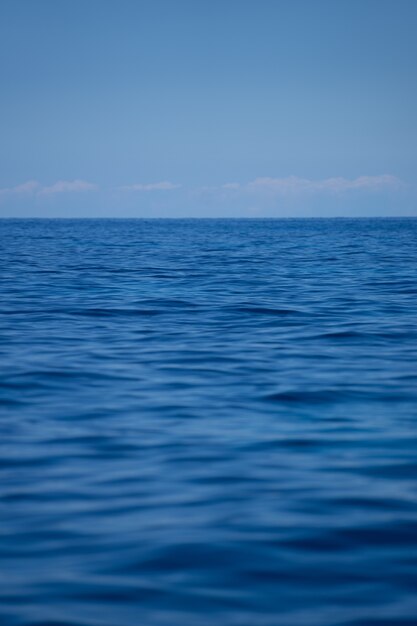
(283, 217)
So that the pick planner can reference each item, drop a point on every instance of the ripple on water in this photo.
(208, 422)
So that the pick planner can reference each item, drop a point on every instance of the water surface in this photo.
(208, 422)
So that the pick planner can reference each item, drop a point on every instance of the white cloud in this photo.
(231, 186)
(34, 188)
(31, 186)
(262, 187)
(67, 186)
(294, 184)
(161, 186)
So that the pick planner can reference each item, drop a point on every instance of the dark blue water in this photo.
(208, 423)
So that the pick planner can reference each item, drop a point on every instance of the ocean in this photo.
(208, 422)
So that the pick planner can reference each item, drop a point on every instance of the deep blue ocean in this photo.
(208, 422)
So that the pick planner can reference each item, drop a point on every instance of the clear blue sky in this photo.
(208, 107)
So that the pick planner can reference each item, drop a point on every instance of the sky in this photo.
(208, 108)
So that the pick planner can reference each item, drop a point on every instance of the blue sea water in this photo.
(208, 422)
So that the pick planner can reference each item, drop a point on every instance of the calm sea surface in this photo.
(208, 422)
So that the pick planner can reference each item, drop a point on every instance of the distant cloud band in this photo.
(164, 185)
(65, 186)
(34, 188)
(267, 186)
(295, 184)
